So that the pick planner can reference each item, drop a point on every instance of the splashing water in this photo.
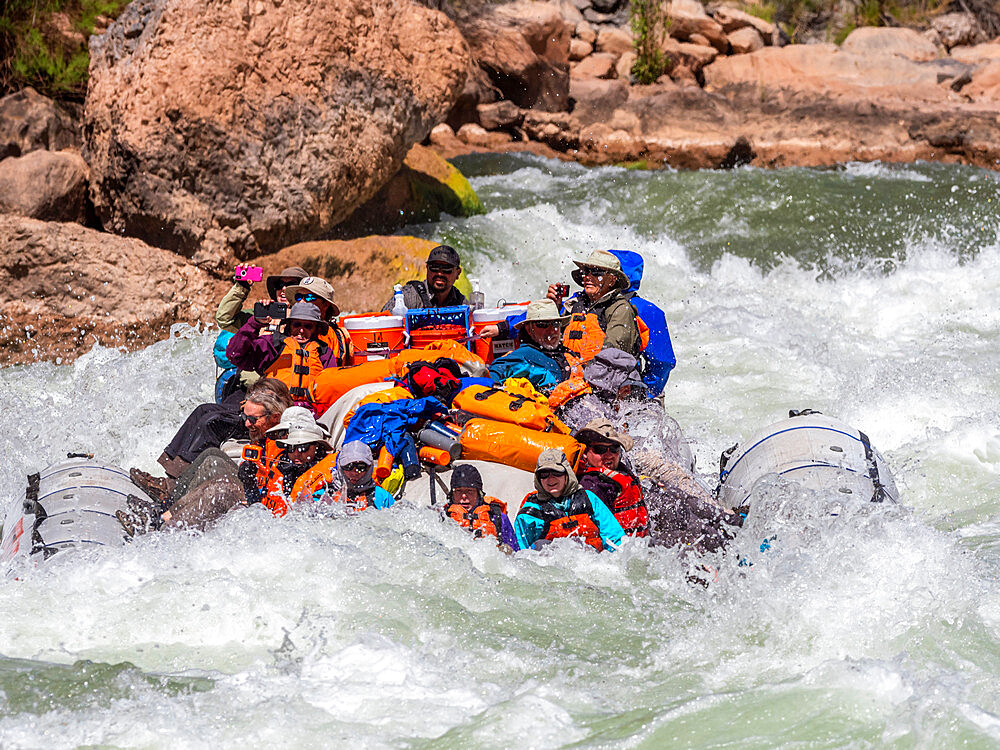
(865, 292)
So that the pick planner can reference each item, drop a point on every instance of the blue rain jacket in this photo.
(659, 355)
(221, 341)
(376, 425)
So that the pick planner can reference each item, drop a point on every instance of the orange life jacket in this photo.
(261, 457)
(298, 366)
(628, 506)
(359, 503)
(340, 343)
(486, 519)
(584, 335)
(567, 390)
(578, 521)
(313, 480)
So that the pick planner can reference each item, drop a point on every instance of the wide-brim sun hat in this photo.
(304, 435)
(304, 311)
(541, 311)
(598, 430)
(599, 259)
(314, 285)
(292, 272)
(293, 417)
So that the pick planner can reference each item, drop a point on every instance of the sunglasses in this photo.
(301, 448)
(357, 467)
(440, 268)
(597, 273)
(600, 450)
(307, 297)
(549, 473)
(544, 325)
(250, 418)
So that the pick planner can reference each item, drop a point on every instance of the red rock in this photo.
(699, 39)
(870, 40)
(688, 17)
(579, 49)
(985, 84)
(745, 40)
(598, 65)
(595, 100)
(585, 32)
(223, 128)
(623, 68)
(46, 185)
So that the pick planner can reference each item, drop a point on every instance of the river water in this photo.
(868, 293)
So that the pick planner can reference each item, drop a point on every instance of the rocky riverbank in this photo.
(211, 136)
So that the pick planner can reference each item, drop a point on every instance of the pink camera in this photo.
(249, 273)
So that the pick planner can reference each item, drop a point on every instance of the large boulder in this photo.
(47, 185)
(977, 54)
(956, 29)
(688, 18)
(64, 287)
(30, 121)
(871, 40)
(227, 128)
(733, 19)
(524, 47)
(426, 187)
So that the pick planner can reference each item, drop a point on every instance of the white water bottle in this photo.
(398, 305)
(478, 299)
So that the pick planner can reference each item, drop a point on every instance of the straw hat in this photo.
(598, 259)
(314, 285)
(601, 429)
(541, 311)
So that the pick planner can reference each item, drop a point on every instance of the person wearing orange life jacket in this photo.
(601, 315)
(317, 291)
(560, 507)
(469, 507)
(354, 483)
(304, 469)
(604, 473)
(295, 355)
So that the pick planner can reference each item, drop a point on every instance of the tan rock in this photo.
(585, 32)
(692, 56)
(30, 121)
(870, 40)
(46, 185)
(598, 65)
(985, 84)
(64, 288)
(226, 128)
(822, 69)
(979, 53)
(623, 68)
(595, 100)
(499, 115)
(473, 134)
(615, 41)
(579, 49)
(733, 19)
(442, 135)
(699, 39)
(688, 17)
(745, 40)
(570, 13)
(956, 29)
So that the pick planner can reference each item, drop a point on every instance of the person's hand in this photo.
(240, 272)
(490, 331)
(554, 293)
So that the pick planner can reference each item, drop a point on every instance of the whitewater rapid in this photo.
(867, 293)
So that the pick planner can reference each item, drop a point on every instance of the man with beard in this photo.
(443, 269)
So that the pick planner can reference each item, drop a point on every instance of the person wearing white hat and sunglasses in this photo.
(306, 467)
(541, 356)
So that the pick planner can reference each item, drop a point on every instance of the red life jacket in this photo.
(578, 521)
(486, 519)
(628, 506)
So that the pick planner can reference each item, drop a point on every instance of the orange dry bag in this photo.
(502, 443)
(494, 403)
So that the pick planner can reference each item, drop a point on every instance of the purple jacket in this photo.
(248, 350)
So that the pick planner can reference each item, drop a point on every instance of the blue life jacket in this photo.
(466, 382)
(658, 358)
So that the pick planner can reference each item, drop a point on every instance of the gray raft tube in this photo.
(816, 451)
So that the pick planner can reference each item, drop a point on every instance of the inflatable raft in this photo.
(68, 505)
(816, 451)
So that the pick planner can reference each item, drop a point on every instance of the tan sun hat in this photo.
(314, 285)
(304, 435)
(598, 259)
(541, 311)
(601, 429)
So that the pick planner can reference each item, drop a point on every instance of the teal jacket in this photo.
(529, 527)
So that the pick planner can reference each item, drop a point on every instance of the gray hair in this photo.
(270, 393)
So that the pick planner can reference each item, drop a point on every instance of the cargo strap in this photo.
(516, 401)
(880, 494)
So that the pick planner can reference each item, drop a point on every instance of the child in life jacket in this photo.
(354, 484)
(295, 355)
(468, 506)
(560, 507)
(605, 474)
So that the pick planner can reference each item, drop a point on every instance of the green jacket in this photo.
(231, 316)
